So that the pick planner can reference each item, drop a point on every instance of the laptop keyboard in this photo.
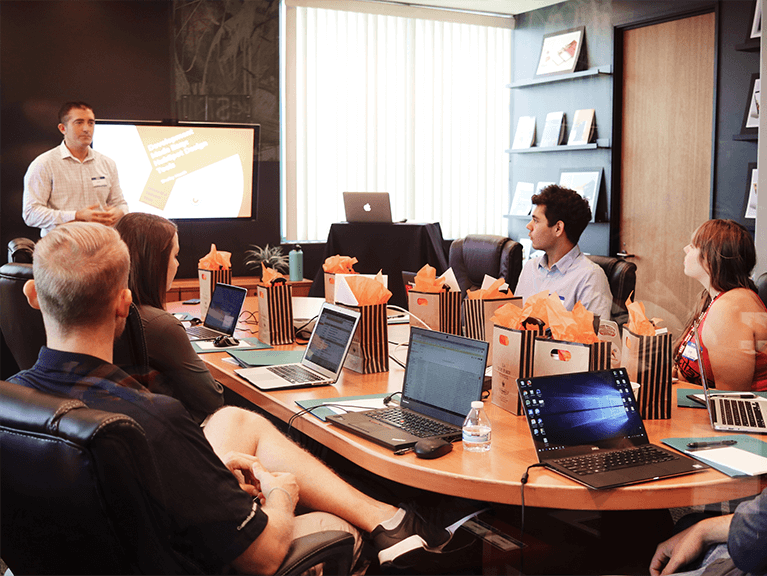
(415, 424)
(740, 413)
(294, 373)
(202, 332)
(608, 461)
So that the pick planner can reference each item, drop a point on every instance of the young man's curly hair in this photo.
(565, 205)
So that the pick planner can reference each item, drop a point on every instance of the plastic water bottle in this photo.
(296, 263)
(476, 429)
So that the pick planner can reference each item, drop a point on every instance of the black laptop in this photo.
(443, 376)
(223, 313)
(587, 426)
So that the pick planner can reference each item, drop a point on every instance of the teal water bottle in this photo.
(296, 261)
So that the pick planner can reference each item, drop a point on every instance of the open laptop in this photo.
(367, 207)
(729, 411)
(443, 376)
(323, 358)
(587, 426)
(223, 313)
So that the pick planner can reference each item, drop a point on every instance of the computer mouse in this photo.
(432, 448)
(224, 341)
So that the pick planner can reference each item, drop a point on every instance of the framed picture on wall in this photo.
(586, 182)
(756, 25)
(560, 52)
(751, 180)
(751, 116)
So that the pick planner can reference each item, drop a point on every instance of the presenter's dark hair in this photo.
(565, 205)
(67, 107)
(149, 239)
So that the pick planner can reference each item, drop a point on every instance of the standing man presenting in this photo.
(559, 218)
(72, 181)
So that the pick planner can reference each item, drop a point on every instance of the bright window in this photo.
(414, 106)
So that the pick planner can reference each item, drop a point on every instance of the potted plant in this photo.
(269, 256)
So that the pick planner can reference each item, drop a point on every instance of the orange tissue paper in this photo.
(638, 322)
(339, 264)
(215, 260)
(510, 316)
(426, 280)
(369, 291)
(492, 292)
(269, 274)
(570, 326)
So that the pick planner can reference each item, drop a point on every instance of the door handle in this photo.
(625, 255)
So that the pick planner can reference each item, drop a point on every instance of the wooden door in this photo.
(666, 156)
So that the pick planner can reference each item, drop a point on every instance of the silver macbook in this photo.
(323, 359)
(223, 313)
(367, 207)
(730, 411)
(443, 376)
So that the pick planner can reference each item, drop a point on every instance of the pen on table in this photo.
(696, 445)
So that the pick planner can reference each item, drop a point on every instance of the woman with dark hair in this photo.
(153, 245)
(731, 318)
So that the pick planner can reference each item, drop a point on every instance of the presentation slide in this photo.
(182, 171)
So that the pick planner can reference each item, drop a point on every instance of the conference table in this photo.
(494, 476)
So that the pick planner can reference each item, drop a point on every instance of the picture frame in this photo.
(560, 52)
(756, 24)
(750, 123)
(751, 191)
(586, 182)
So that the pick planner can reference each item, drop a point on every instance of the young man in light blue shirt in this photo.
(560, 216)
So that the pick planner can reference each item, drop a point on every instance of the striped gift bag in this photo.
(275, 313)
(440, 311)
(648, 362)
(369, 350)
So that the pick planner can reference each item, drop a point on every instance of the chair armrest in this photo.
(334, 547)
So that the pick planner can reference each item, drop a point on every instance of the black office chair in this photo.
(621, 276)
(478, 254)
(24, 332)
(81, 495)
(761, 287)
(20, 250)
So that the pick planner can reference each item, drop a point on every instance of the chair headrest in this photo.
(16, 271)
(34, 411)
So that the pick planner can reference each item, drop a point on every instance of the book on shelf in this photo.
(524, 137)
(554, 130)
(583, 127)
(521, 203)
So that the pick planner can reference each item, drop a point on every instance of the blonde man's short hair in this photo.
(79, 268)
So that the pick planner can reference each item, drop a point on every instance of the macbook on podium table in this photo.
(367, 207)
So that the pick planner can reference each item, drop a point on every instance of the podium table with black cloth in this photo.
(391, 248)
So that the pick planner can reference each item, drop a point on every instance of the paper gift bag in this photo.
(275, 313)
(440, 311)
(513, 359)
(369, 350)
(476, 319)
(208, 281)
(558, 357)
(648, 362)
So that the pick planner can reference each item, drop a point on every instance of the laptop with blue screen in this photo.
(587, 426)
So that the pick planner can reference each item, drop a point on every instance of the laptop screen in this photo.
(330, 338)
(570, 411)
(444, 374)
(225, 307)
